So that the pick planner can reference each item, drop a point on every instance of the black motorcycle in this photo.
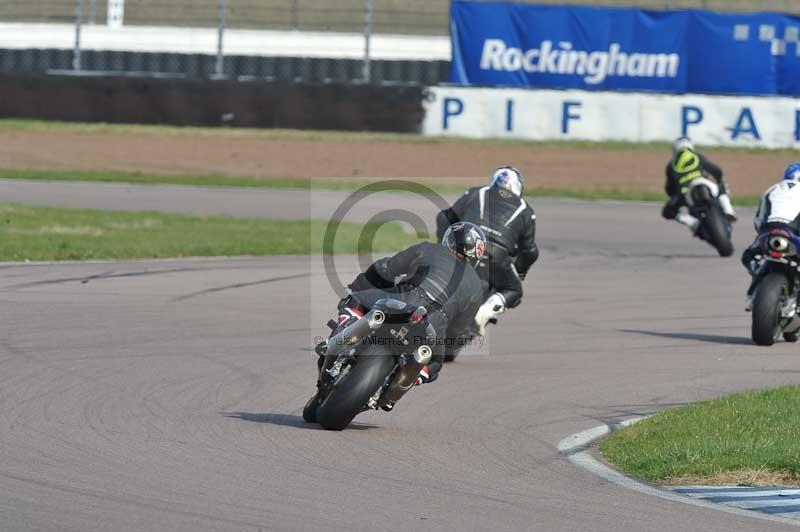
(371, 363)
(778, 287)
(702, 199)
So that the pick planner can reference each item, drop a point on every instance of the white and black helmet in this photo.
(682, 143)
(509, 179)
(466, 240)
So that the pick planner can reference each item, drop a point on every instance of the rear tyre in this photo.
(766, 308)
(718, 234)
(349, 397)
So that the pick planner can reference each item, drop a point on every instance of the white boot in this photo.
(689, 221)
(491, 309)
(727, 208)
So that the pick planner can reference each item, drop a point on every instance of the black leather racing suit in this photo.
(678, 177)
(448, 288)
(510, 227)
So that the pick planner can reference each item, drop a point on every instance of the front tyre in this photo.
(718, 234)
(767, 301)
(349, 397)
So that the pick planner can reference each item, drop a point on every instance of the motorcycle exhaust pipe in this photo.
(406, 376)
(353, 333)
(376, 319)
(423, 355)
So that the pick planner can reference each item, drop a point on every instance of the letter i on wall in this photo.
(797, 125)
(510, 115)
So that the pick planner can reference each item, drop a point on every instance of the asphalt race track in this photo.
(166, 396)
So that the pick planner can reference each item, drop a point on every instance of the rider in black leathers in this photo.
(510, 226)
(440, 277)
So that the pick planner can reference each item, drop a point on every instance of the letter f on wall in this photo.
(567, 115)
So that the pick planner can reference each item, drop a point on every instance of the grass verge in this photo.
(45, 233)
(749, 438)
(310, 184)
(12, 124)
(304, 134)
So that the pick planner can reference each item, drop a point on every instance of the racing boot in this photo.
(727, 208)
(689, 221)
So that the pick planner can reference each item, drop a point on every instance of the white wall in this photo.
(637, 117)
(237, 42)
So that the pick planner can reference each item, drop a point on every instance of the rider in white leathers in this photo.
(779, 207)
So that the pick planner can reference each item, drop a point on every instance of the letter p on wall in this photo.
(451, 107)
(690, 115)
(541, 115)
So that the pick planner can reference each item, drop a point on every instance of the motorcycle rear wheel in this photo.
(349, 397)
(767, 308)
(718, 234)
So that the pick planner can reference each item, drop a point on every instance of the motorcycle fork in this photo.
(789, 309)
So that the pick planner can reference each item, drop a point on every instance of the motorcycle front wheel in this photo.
(350, 395)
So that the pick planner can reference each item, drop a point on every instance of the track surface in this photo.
(167, 395)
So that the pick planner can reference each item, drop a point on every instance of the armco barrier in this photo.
(248, 67)
(769, 122)
(212, 103)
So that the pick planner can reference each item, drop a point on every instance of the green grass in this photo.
(13, 124)
(42, 126)
(309, 184)
(44, 233)
(742, 432)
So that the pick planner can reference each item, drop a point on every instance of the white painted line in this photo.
(572, 446)
(580, 440)
(766, 492)
(762, 503)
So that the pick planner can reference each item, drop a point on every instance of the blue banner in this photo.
(594, 48)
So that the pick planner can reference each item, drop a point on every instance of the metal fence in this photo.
(83, 27)
(418, 17)
(414, 17)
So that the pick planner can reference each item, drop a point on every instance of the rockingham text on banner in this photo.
(594, 48)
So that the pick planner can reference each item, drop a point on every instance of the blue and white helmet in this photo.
(508, 178)
(792, 172)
